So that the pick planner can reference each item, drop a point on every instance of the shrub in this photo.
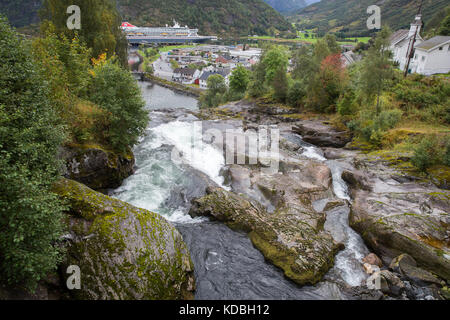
(30, 135)
(296, 94)
(216, 93)
(424, 152)
(347, 105)
(372, 127)
(117, 92)
(430, 151)
(239, 79)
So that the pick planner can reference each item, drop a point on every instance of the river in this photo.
(227, 266)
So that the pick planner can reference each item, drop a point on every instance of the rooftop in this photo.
(433, 42)
(399, 35)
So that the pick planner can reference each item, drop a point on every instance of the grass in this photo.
(169, 48)
(419, 127)
(302, 38)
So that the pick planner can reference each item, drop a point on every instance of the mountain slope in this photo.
(236, 17)
(349, 16)
(286, 6)
(21, 12)
(230, 17)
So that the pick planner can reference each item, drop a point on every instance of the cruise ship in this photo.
(163, 35)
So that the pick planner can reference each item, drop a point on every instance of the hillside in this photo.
(232, 17)
(21, 12)
(349, 16)
(286, 6)
(236, 17)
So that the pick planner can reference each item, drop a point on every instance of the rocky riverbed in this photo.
(327, 222)
(396, 217)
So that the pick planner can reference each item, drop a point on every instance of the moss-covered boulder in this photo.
(123, 252)
(97, 167)
(286, 239)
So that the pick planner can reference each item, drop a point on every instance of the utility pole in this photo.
(412, 42)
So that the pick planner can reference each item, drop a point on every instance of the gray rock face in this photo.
(407, 266)
(396, 218)
(124, 253)
(292, 237)
(97, 168)
(320, 134)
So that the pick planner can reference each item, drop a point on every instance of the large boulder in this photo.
(414, 222)
(299, 246)
(407, 266)
(96, 167)
(123, 252)
(321, 134)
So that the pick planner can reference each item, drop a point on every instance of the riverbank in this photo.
(178, 87)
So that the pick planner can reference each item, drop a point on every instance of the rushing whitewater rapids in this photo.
(227, 266)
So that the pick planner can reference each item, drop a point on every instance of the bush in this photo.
(30, 136)
(296, 94)
(372, 127)
(117, 92)
(424, 154)
(239, 80)
(347, 105)
(430, 151)
(388, 119)
(216, 93)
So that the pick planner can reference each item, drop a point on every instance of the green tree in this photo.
(280, 85)
(305, 65)
(256, 87)
(296, 93)
(327, 85)
(444, 29)
(100, 22)
(275, 59)
(214, 96)
(321, 51)
(116, 91)
(332, 44)
(347, 105)
(30, 135)
(377, 68)
(239, 80)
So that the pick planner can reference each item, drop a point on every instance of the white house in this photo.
(224, 72)
(185, 75)
(402, 40)
(433, 56)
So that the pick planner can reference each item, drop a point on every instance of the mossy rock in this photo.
(440, 175)
(124, 253)
(96, 167)
(304, 253)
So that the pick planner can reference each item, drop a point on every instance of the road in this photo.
(163, 69)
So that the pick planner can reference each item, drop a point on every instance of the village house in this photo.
(185, 75)
(224, 72)
(432, 56)
(402, 40)
(349, 57)
(222, 60)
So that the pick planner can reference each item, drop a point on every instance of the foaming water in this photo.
(186, 137)
(347, 262)
(160, 168)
